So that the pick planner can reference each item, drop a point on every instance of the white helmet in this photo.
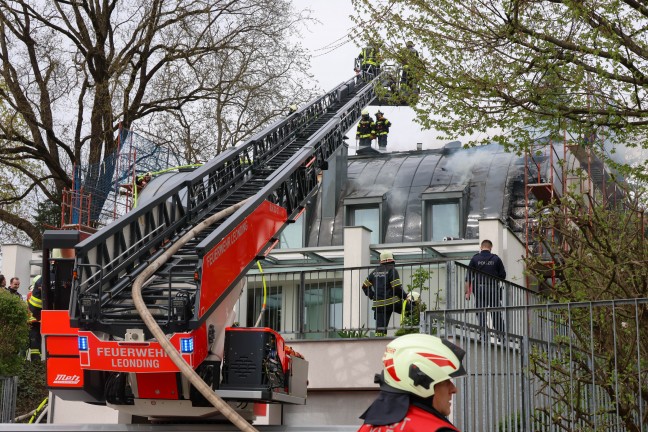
(415, 363)
(365, 112)
(386, 256)
(413, 296)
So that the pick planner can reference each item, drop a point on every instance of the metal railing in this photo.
(8, 391)
(557, 367)
(330, 303)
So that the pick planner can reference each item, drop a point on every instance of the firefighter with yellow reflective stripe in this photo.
(382, 129)
(35, 306)
(369, 61)
(365, 132)
(383, 286)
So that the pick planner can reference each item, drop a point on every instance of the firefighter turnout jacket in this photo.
(416, 419)
(366, 128)
(369, 57)
(35, 306)
(35, 301)
(395, 410)
(382, 126)
(383, 286)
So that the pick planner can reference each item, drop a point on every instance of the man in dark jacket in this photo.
(14, 285)
(485, 282)
(383, 286)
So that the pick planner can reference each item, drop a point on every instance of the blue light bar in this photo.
(83, 343)
(186, 345)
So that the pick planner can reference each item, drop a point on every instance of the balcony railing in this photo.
(329, 303)
(556, 367)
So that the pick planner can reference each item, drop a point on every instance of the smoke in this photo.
(461, 164)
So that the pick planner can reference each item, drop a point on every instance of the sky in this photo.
(332, 64)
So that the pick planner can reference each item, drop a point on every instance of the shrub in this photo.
(411, 316)
(349, 334)
(32, 387)
(14, 333)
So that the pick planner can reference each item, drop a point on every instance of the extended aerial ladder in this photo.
(100, 350)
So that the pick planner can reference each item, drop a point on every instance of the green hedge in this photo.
(32, 388)
(14, 333)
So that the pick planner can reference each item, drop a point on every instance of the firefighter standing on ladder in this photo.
(369, 62)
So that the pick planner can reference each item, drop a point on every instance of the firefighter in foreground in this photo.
(416, 386)
(35, 305)
(383, 286)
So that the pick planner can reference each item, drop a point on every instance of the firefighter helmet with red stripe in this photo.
(415, 363)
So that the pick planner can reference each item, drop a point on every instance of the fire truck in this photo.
(179, 258)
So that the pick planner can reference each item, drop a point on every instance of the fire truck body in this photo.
(99, 349)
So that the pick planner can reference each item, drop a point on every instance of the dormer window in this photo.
(444, 212)
(367, 212)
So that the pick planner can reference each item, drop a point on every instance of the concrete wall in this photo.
(340, 381)
(74, 412)
(15, 262)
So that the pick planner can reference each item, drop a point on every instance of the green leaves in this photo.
(512, 66)
(14, 333)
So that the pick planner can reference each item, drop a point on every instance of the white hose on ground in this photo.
(159, 335)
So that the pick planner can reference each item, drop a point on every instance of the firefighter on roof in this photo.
(35, 306)
(382, 129)
(365, 132)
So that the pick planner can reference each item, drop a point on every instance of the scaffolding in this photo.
(107, 190)
(550, 170)
(544, 181)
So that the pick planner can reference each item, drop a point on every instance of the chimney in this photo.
(419, 146)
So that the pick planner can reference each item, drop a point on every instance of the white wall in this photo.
(74, 412)
(15, 262)
(356, 254)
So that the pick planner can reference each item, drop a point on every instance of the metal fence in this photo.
(329, 303)
(556, 367)
(8, 391)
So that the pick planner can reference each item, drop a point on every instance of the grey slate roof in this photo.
(490, 175)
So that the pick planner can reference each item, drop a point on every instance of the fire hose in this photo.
(159, 335)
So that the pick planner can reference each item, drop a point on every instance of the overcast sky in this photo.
(332, 64)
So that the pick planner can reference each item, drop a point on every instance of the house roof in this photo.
(400, 182)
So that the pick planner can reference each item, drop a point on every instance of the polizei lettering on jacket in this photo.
(132, 357)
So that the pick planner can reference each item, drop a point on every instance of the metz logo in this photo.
(67, 379)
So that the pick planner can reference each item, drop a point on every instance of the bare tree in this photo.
(74, 70)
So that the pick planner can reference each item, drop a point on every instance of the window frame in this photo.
(301, 219)
(360, 203)
(449, 195)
